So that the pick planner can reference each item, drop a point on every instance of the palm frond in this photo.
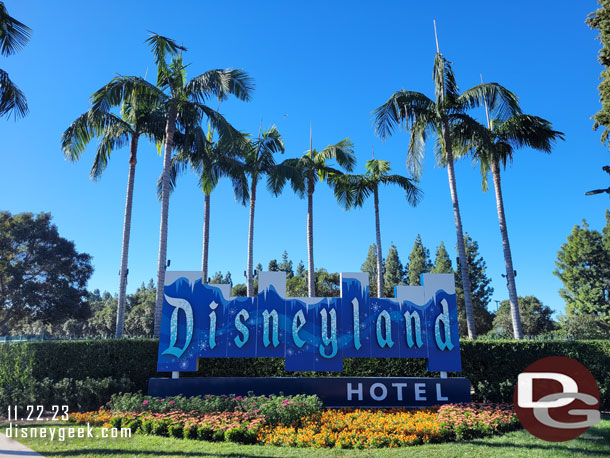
(351, 190)
(413, 193)
(14, 35)
(114, 137)
(342, 152)
(90, 125)
(162, 47)
(501, 102)
(445, 86)
(527, 130)
(123, 88)
(402, 108)
(12, 100)
(286, 171)
(220, 84)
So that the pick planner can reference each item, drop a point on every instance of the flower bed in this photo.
(299, 421)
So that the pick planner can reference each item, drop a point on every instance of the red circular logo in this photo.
(557, 399)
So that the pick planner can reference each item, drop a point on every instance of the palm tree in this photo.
(352, 191)
(210, 161)
(185, 106)
(13, 37)
(138, 117)
(259, 161)
(443, 116)
(310, 168)
(505, 136)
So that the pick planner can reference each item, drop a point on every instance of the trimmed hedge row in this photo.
(491, 366)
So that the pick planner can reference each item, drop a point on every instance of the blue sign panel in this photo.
(313, 334)
(369, 392)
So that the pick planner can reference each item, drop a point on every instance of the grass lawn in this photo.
(595, 442)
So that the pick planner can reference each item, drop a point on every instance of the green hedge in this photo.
(491, 366)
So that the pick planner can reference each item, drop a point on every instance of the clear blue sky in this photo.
(328, 63)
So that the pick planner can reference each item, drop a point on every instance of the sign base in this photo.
(369, 392)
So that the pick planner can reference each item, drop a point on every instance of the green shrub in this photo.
(133, 425)
(116, 422)
(240, 435)
(205, 433)
(160, 427)
(176, 430)
(147, 426)
(218, 436)
(491, 366)
(190, 431)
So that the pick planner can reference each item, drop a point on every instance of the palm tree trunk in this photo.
(170, 128)
(378, 239)
(120, 313)
(508, 259)
(206, 239)
(249, 276)
(472, 334)
(311, 286)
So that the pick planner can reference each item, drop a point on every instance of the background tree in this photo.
(481, 291)
(583, 266)
(353, 190)
(505, 136)
(138, 117)
(394, 273)
(584, 326)
(286, 265)
(304, 173)
(13, 37)
(370, 267)
(536, 318)
(419, 262)
(211, 159)
(600, 20)
(140, 320)
(42, 276)
(300, 272)
(443, 116)
(442, 261)
(258, 162)
(184, 104)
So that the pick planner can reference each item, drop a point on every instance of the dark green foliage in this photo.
(370, 267)
(147, 426)
(189, 431)
(481, 291)
(394, 273)
(583, 266)
(327, 284)
(442, 261)
(536, 318)
(205, 433)
(176, 431)
(240, 435)
(86, 394)
(42, 276)
(600, 20)
(286, 265)
(491, 366)
(273, 266)
(14, 35)
(160, 427)
(240, 290)
(218, 436)
(419, 262)
(584, 326)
